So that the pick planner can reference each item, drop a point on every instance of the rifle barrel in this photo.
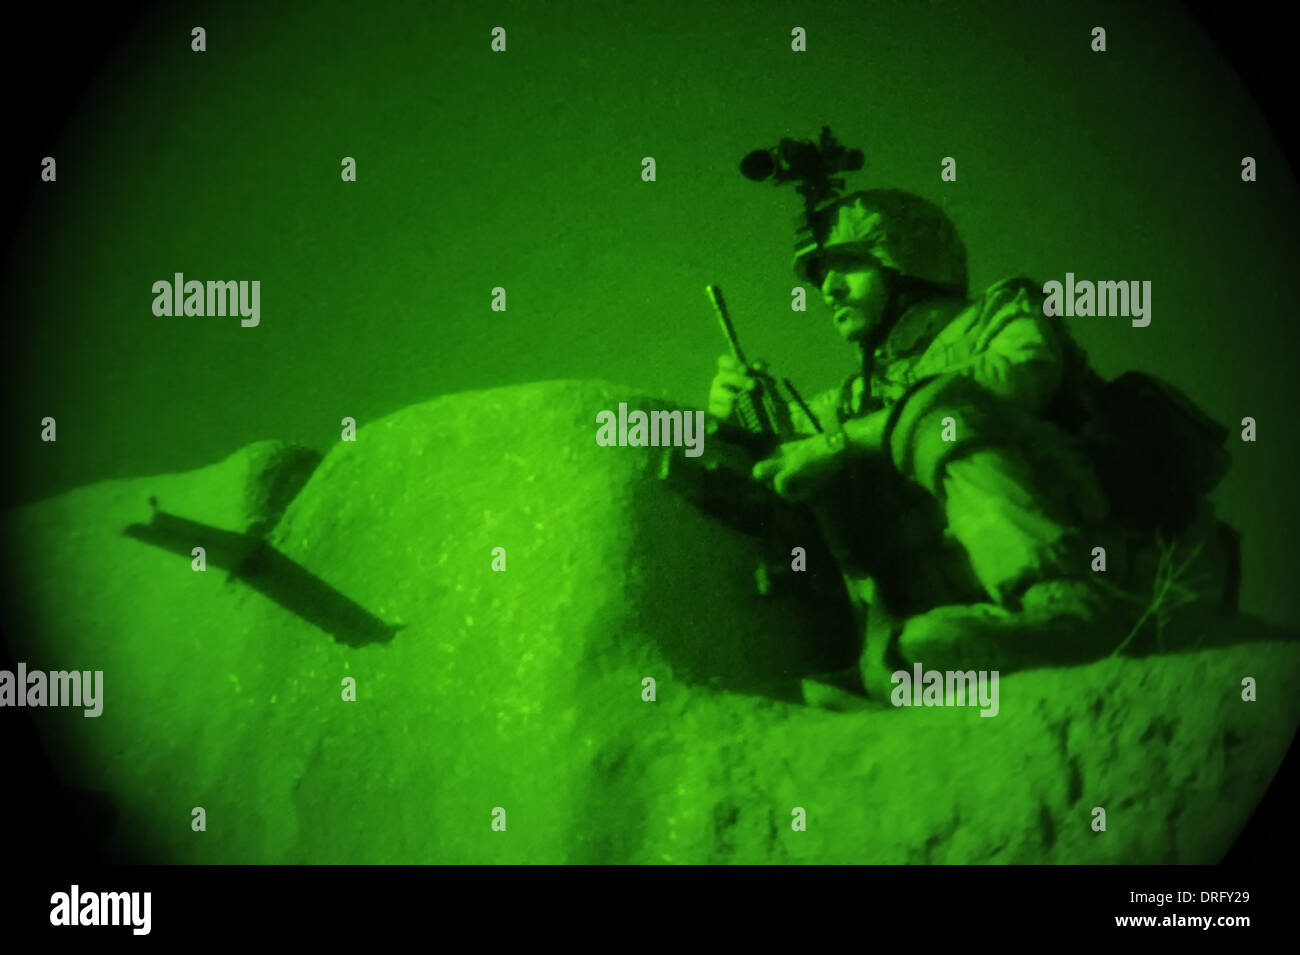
(720, 306)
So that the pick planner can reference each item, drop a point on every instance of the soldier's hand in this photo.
(732, 380)
(799, 467)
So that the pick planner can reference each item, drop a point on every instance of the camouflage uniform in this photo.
(968, 543)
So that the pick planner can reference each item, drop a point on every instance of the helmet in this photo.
(897, 229)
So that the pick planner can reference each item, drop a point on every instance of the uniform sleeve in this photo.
(1018, 354)
(970, 430)
(1004, 354)
(1005, 344)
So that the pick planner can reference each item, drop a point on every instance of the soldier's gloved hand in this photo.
(732, 380)
(799, 467)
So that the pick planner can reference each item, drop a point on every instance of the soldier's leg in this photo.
(1031, 560)
(1059, 623)
(1174, 596)
(1025, 505)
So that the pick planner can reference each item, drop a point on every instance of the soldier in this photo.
(951, 479)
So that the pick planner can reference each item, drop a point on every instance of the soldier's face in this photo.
(855, 290)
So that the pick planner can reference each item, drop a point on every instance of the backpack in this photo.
(1155, 452)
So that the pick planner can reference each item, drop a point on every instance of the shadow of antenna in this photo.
(264, 569)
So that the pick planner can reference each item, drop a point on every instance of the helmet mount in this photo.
(813, 166)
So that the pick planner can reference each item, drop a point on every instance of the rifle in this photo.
(764, 415)
(719, 482)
